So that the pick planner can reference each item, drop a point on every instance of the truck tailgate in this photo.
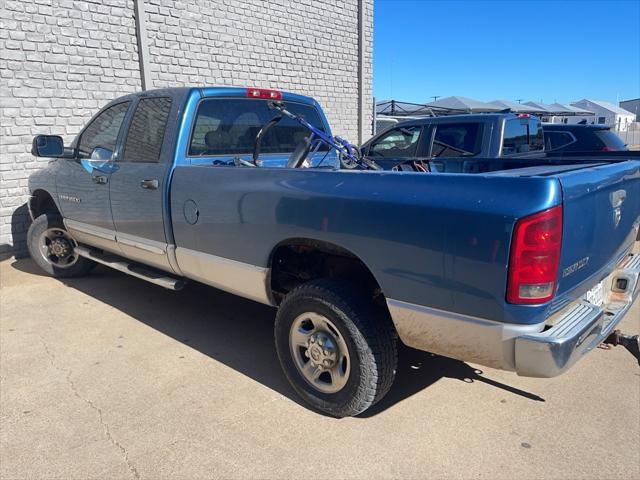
(601, 210)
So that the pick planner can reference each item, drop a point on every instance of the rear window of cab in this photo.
(522, 135)
(228, 126)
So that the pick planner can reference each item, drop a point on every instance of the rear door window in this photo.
(228, 126)
(457, 140)
(522, 135)
(146, 133)
(396, 143)
(557, 140)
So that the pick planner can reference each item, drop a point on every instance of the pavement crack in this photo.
(105, 426)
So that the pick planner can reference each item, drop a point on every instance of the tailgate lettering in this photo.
(575, 267)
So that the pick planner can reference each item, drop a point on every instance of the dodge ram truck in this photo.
(525, 269)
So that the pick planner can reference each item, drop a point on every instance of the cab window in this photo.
(522, 135)
(396, 143)
(229, 126)
(558, 139)
(146, 132)
(457, 140)
(98, 140)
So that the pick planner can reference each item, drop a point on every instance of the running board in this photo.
(134, 269)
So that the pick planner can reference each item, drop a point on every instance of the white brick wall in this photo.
(62, 59)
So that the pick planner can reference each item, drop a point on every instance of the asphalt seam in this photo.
(93, 406)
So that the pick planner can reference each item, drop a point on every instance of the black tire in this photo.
(81, 266)
(369, 336)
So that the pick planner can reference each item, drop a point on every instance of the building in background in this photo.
(606, 113)
(632, 106)
(61, 60)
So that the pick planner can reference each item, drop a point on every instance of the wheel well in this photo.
(298, 261)
(41, 202)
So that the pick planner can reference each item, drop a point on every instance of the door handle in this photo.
(149, 184)
(100, 179)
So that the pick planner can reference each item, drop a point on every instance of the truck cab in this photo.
(114, 192)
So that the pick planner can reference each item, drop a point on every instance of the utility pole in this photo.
(519, 100)
(435, 97)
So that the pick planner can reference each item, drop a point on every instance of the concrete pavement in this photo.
(111, 377)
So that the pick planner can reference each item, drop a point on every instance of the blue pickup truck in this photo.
(525, 269)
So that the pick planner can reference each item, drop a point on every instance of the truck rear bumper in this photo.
(541, 350)
(580, 327)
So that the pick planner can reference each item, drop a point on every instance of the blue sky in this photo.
(532, 50)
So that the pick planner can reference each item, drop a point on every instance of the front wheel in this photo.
(336, 348)
(53, 248)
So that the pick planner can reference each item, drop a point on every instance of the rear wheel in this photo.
(337, 350)
(53, 248)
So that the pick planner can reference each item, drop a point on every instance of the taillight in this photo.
(264, 93)
(609, 149)
(534, 257)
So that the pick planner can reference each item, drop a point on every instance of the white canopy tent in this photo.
(516, 107)
(464, 105)
(570, 110)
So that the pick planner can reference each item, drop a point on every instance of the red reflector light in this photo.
(535, 257)
(264, 93)
(524, 115)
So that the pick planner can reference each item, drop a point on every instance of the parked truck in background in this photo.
(488, 142)
(458, 143)
(525, 269)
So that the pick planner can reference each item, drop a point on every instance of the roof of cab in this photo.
(219, 91)
(574, 126)
(177, 93)
(475, 117)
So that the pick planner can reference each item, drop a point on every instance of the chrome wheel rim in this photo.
(319, 352)
(58, 248)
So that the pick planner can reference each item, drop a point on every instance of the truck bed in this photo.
(436, 240)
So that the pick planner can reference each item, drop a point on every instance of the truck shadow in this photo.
(239, 333)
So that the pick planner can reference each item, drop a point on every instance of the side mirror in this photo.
(47, 146)
(101, 154)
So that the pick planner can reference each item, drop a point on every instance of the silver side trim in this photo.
(159, 248)
(94, 236)
(137, 248)
(239, 278)
(454, 335)
(84, 228)
(173, 261)
(149, 252)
